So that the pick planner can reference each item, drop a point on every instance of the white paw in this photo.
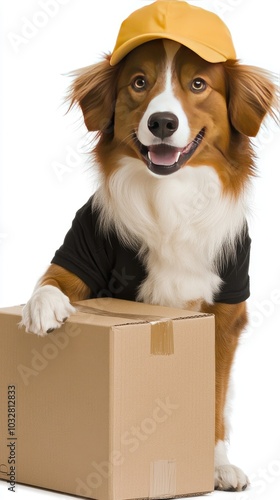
(46, 310)
(227, 477)
(230, 478)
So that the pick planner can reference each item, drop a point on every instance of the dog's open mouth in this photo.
(163, 159)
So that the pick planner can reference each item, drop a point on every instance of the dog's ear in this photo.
(94, 90)
(251, 95)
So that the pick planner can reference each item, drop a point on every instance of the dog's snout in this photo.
(163, 124)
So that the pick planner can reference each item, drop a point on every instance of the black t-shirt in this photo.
(111, 269)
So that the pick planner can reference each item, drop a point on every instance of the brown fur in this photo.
(67, 282)
(230, 321)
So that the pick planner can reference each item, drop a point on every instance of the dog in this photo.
(167, 224)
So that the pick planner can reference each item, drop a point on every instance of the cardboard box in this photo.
(118, 404)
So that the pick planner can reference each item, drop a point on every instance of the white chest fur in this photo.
(181, 222)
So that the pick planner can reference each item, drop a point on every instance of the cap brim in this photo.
(208, 53)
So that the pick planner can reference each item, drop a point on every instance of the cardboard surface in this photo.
(98, 414)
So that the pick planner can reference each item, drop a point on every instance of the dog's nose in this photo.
(163, 125)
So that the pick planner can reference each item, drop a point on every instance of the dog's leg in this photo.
(49, 305)
(230, 320)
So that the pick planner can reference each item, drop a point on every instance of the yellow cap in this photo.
(198, 29)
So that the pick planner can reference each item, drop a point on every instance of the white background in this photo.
(46, 176)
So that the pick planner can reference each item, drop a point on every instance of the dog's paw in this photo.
(47, 309)
(230, 478)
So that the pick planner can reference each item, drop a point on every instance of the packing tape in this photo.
(162, 478)
(162, 338)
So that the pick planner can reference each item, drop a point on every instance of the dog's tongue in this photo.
(163, 155)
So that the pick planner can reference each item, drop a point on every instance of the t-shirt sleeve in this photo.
(235, 275)
(84, 252)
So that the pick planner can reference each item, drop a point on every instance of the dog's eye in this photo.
(198, 85)
(139, 83)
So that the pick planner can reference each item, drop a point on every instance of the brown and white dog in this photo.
(176, 163)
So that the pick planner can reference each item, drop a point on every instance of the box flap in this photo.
(114, 312)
